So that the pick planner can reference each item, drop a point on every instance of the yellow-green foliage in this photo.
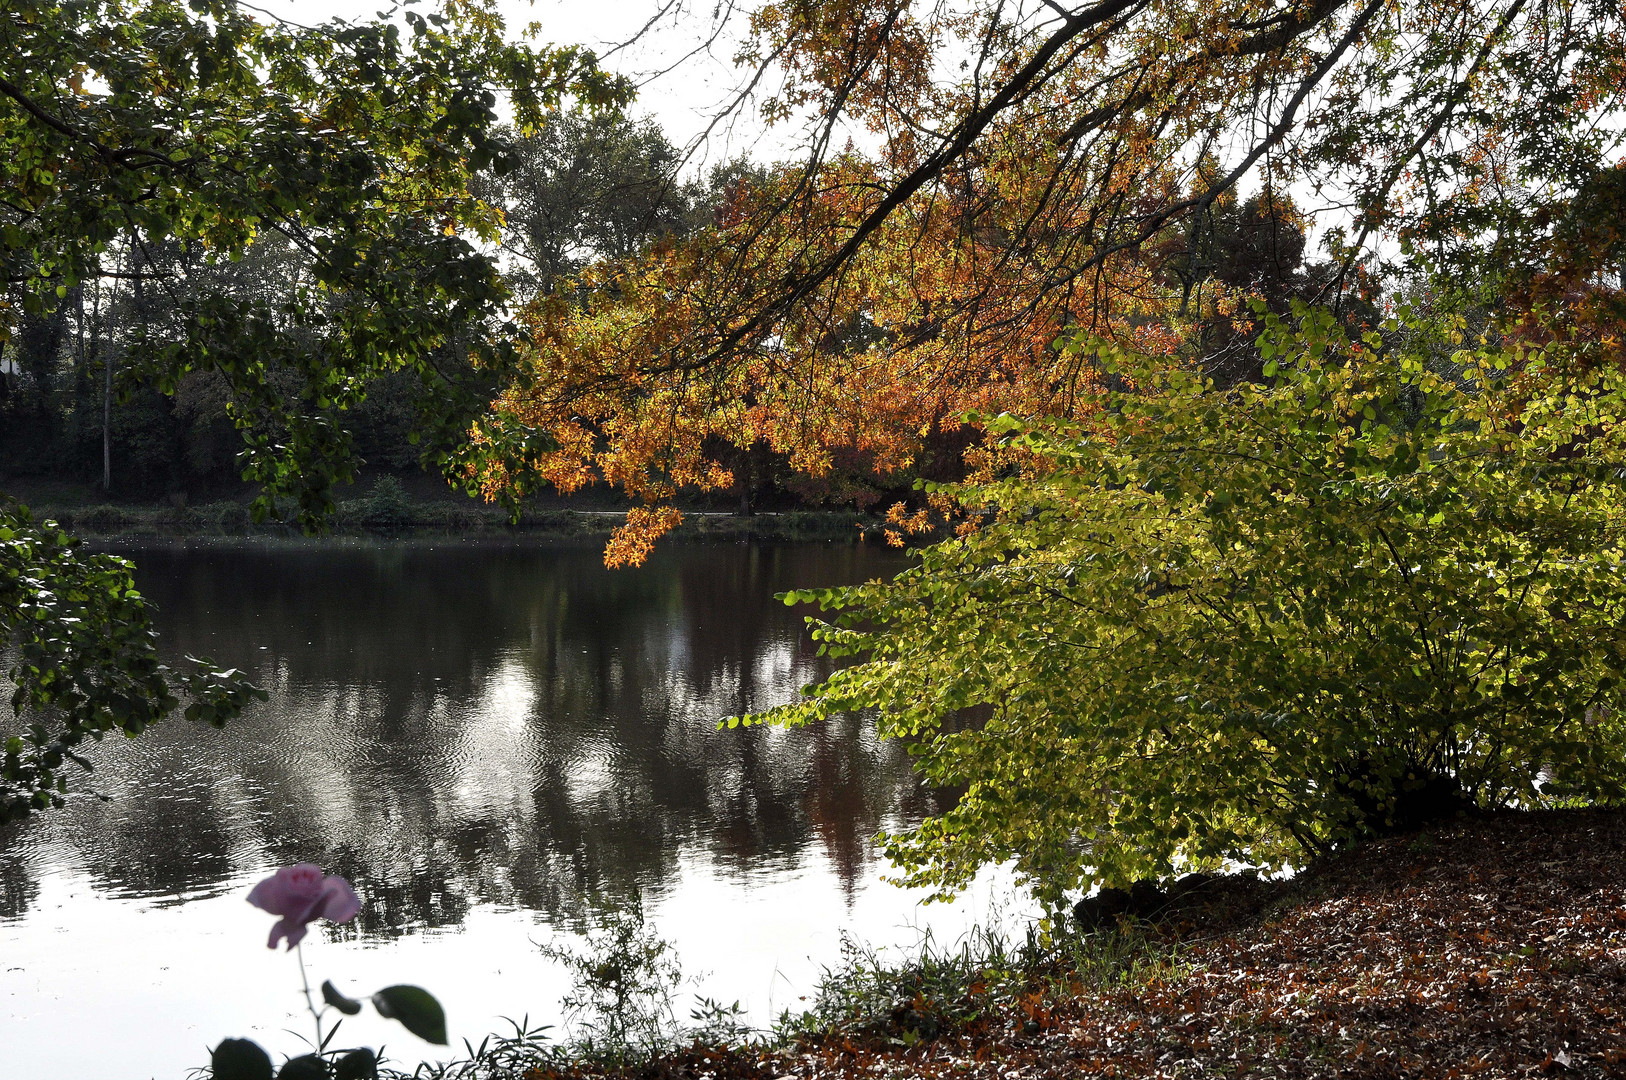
(1253, 623)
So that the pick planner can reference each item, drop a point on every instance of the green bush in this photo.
(387, 507)
(228, 517)
(1258, 623)
(185, 518)
(102, 518)
(460, 519)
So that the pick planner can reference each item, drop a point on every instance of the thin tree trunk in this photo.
(107, 392)
(107, 428)
(79, 333)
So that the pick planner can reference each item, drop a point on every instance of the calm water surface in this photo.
(491, 742)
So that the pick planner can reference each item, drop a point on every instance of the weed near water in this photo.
(981, 978)
(913, 998)
(515, 1056)
(626, 981)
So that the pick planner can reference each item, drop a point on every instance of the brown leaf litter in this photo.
(1489, 947)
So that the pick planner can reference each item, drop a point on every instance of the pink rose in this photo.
(300, 894)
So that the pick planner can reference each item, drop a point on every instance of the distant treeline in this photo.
(80, 403)
(85, 403)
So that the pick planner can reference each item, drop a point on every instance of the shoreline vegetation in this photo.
(1489, 946)
(389, 509)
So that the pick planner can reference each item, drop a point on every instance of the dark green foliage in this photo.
(415, 1008)
(356, 1065)
(331, 995)
(388, 508)
(100, 519)
(86, 661)
(498, 1057)
(304, 1067)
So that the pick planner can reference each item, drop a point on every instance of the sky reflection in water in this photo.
(487, 740)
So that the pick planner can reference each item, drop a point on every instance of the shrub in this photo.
(624, 982)
(182, 517)
(1255, 624)
(387, 508)
(983, 976)
(916, 997)
(228, 517)
(461, 519)
(103, 518)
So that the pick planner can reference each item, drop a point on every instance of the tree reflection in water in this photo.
(462, 723)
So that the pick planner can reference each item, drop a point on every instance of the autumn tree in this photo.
(1039, 167)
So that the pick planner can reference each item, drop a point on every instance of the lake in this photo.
(493, 741)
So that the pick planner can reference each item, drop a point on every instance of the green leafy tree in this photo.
(588, 186)
(129, 128)
(1259, 622)
(87, 662)
(143, 122)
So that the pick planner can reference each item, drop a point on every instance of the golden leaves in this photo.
(631, 544)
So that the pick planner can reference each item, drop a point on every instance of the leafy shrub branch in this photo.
(1255, 623)
(86, 661)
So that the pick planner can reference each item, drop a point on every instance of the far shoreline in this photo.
(362, 519)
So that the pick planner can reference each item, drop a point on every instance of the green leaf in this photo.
(416, 1009)
(331, 995)
(239, 1059)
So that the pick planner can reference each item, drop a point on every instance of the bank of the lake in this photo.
(1492, 947)
(362, 518)
(423, 506)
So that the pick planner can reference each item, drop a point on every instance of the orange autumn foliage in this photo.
(1038, 170)
(925, 326)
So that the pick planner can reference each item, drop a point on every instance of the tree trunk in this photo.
(107, 425)
(107, 383)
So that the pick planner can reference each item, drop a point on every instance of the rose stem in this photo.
(309, 1004)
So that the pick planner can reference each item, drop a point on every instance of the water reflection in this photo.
(459, 725)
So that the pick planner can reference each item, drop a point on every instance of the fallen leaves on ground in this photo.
(1491, 947)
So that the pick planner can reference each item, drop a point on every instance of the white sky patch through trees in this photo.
(679, 52)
